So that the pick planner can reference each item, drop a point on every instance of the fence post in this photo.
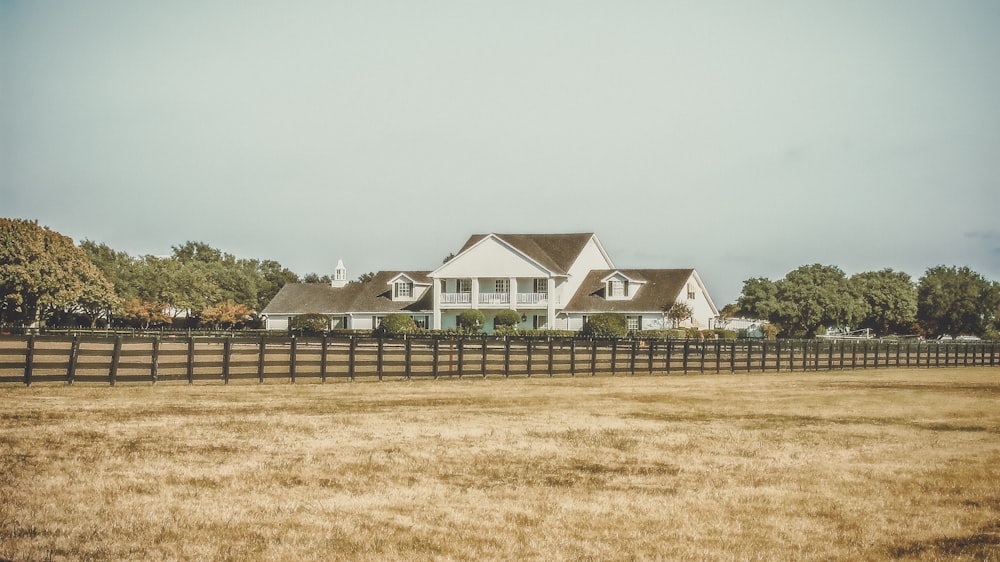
(226, 343)
(551, 358)
(732, 356)
(154, 364)
(506, 356)
(461, 349)
(115, 359)
(291, 360)
(631, 361)
(572, 357)
(718, 356)
(854, 355)
(670, 359)
(651, 346)
(379, 356)
(29, 358)
(350, 357)
(527, 353)
(777, 352)
(322, 360)
(190, 360)
(593, 356)
(701, 346)
(261, 352)
(74, 352)
(485, 354)
(409, 357)
(614, 356)
(437, 348)
(878, 346)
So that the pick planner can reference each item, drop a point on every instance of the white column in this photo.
(475, 292)
(512, 289)
(436, 287)
(551, 303)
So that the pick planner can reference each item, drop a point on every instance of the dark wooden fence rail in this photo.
(124, 359)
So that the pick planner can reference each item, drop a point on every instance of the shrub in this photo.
(506, 318)
(471, 321)
(396, 324)
(310, 324)
(606, 325)
(725, 334)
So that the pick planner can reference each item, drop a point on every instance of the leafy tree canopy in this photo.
(888, 301)
(956, 301)
(42, 272)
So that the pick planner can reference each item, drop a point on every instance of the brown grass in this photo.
(871, 465)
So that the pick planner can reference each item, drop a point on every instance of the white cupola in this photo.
(339, 275)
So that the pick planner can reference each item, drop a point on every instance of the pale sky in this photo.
(743, 139)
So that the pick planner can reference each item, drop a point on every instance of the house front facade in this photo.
(555, 281)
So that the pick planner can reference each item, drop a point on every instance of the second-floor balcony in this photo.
(456, 298)
(493, 299)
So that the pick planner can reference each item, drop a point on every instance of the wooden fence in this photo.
(120, 359)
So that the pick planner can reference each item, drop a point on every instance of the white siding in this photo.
(490, 258)
(276, 323)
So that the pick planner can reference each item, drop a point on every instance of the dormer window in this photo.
(617, 288)
(691, 293)
(402, 290)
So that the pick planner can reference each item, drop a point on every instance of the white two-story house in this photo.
(555, 281)
(534, 274)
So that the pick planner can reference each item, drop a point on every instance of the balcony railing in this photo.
(532, 298)
(456, 298)
(494, 298)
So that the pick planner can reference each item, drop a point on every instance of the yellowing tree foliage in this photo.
(43, 272)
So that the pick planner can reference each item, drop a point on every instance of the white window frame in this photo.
(541, 286)
(617, 289)
(463, 285)
(402, 290)
(502, 286)
(633, 323)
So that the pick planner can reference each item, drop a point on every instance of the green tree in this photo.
(956, 301)
(677, 313)
(316, 278)
(606, 325)
(814, 296)
(888, 301)
(365, 277)
(311, 324)
(759, 298)
(42, 272)
(471, 320)
(397, 324)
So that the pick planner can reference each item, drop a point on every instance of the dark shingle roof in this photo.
(373, 296)
(555, 252)
(661, 287)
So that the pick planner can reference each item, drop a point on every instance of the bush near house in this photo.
(506, 318)
(310, 324)
(471, 321)
(396, 324)
(606, 325)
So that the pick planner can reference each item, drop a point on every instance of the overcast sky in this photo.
(743, 139)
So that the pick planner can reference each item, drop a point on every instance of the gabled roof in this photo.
(372, 296)
(661, 287)
(555, 252)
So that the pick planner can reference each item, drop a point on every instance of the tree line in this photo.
(946, 300)
(45, 278)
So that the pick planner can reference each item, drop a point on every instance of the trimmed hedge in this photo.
(606, 325)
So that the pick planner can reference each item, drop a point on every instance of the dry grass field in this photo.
(864, 465)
